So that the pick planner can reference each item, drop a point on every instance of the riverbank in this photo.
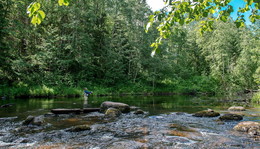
(44, 91)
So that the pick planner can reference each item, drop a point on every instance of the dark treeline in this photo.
(101, 44)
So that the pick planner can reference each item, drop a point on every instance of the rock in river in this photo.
(31, 120)
(230, 117)
(252, 128)
(139, 111)
(206, 113)
(80, 128)
(124, 108)
(112, 112)
(66, 111)
(236, 108)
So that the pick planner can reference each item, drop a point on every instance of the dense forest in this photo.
(102, 45)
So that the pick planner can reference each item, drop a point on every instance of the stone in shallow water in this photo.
(230, 117)
(236, 108)
(66, 111)
(31, 120)
(80, 128)
(139, 112)
(206, 113)
(252, 128)
(126, 145)
(112, 112)
(124, 108)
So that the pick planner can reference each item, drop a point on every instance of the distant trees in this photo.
(97, 42)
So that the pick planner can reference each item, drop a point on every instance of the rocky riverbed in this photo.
(129, 130)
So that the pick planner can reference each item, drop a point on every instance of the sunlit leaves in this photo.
(35, 13)
(38, 15)
(184, 12)
(63, 2)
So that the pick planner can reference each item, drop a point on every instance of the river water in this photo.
(167, 123)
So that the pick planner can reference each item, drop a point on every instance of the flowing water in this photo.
(167, 123)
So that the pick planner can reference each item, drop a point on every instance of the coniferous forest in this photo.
(102, 45)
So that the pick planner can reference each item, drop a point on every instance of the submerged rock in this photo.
(126, 145)
(139, 111)
(124, 108)
(112, 112)
(236, 108)
(229, 117)
(134, 108)
(7, 105)
(80, 128)
(252, 128)
(31, 120)
(66, 111)
(206, 113)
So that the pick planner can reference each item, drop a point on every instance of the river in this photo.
(167, 123)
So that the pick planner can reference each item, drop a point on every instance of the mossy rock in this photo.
(80, 128)
(112, 112)
(206, 113)
(230, 117)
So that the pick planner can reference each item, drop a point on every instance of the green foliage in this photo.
(256, 97)
(206, 11)
(35, 13)
(102, 45)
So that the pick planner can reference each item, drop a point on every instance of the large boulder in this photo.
(112, 112)
(252, 128)
(31, 120)
(206, 113)
(124, 108)
(230, 117)
(236, 108)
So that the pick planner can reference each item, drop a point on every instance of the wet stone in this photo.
(80, 128)
(124, 108)
(139, 111)
(252, 128)
(126, 145)
(206, 113)
(236, 108)
(230, 117)
(31, 120)
(112, 112)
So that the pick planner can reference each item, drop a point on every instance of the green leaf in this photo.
(64, 2)
(223, 18)
(212, 11)
(250, 2)
(41, 14)
(181, 21)
(61, 2)
(35, 20)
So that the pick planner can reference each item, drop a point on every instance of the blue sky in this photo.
(158, 4)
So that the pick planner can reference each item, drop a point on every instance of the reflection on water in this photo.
(153, 104)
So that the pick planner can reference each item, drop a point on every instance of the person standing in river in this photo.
(86, 93)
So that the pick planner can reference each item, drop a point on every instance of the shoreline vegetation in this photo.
(24, 91)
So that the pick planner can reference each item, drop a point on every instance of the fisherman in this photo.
(86, 92)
